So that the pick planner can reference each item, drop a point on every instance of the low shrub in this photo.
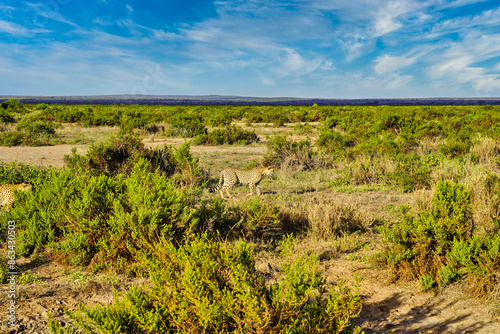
(187, 125)
(6, 117)
(229, 135)
(254, 219)
(13, 106)
(11, 138)
(479, 257)
(289, 154)
(100, 220)
(333, 142)
(206, 286)
(419, 246)
(413, 172)
(120, 154)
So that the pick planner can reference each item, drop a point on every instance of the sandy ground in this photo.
(387, 307)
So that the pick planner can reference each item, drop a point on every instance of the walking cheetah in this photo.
(7, 197)
(252, 177)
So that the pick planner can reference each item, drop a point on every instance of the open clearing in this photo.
(388, 307)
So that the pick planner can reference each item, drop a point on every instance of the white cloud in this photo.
(460, 63)
(6, 9)
(294, 63)
(388, 64)
(487, 19)
(13, 28)
(20, 30)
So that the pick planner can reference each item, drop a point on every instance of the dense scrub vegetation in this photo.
(345, 130)
(127, 208)
(124, 207)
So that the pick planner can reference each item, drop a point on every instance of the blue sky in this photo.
(266, 48)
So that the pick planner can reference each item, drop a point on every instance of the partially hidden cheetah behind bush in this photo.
(7, 196)
(230, 176)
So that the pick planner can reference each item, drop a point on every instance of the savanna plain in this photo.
(377, 219)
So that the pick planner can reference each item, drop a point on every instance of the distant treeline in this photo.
(243, 101)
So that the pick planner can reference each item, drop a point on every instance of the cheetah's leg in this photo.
(251, 186)
(227, 192)
(258, 190)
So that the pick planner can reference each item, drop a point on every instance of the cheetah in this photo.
(7, 197)
(252, 177)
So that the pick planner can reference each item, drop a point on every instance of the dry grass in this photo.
(486, 150)
(76, 134)
(327, 217)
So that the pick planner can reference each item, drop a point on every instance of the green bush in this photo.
(332, 141)
(11, 138)
(413, 172)
(206, 286)
(14, 106)
(120, 154)
(32, 130)
(229, 135)
(101, 220)
(187, 125)
(427, 282)
(98, 216)
(282, 152)
(438, 245)
(419, 245)
(254, 219)
(6, 117)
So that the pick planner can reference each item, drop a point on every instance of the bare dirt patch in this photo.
(56, 290)
(39, 156)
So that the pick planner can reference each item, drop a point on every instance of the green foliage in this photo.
(448, 274)
(480, 255)
(13, 106)
(304, 129)
(187, 125)
(332, 141)
(419, 240)
(99, 216)
(28, 277)
(206, 286)
(33, 129)
(219, 119)
(413, 172)
(255, 219)
(6, 117)
(121, 154)
(427, 282)
(3, 269)
(228, 135)
(439, 243)
(11, 138)
(276, 115)
(374, 130)
(282, 152)
(99, 219)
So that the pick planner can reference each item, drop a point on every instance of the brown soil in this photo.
(388, 307)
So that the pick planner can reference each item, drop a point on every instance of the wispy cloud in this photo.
(315, 47)
(387, 63)
(488, 19)
(461, 62)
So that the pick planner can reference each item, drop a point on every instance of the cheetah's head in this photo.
(268, 171)
(24, 187)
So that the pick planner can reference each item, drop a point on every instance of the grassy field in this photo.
(365, 202)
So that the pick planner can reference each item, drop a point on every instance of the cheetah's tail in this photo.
(212, 190)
